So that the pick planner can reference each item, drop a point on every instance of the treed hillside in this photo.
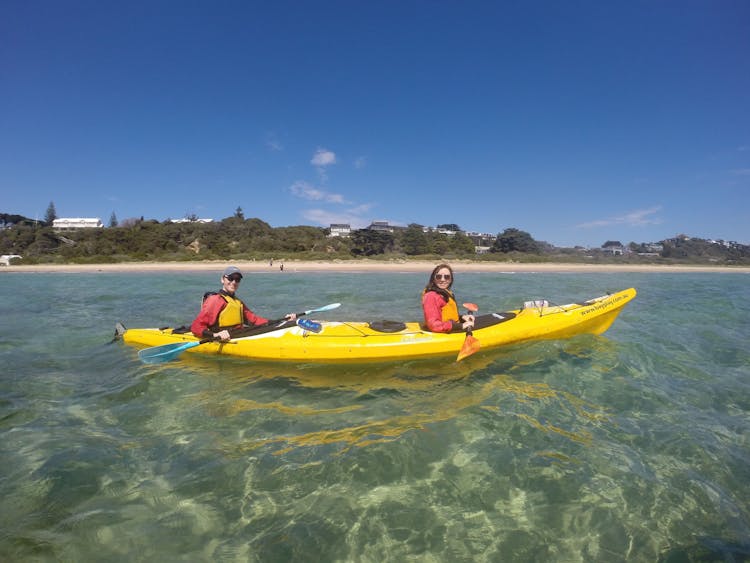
(239, 238)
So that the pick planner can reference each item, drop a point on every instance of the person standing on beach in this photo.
(223, 311)
(439, 304)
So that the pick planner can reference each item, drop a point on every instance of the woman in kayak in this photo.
(222, 311)
(439, 304)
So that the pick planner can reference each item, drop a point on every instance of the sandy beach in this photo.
(291, 266)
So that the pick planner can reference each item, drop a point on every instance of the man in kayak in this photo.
(439, 304)
(222, 311)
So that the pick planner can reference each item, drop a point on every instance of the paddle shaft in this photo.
(303, 313)
(472, 308)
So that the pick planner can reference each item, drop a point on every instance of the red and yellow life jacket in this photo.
(449, 312)
(232, 315)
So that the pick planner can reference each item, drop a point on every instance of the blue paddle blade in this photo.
(321, 309)
(309, 325)
(165, 353)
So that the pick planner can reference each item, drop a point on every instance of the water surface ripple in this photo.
(632, 446)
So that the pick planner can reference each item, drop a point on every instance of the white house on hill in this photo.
(190, 220)
(71, 223)
(340, 230)
(614, 246)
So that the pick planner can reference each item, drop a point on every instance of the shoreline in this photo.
(404, 266)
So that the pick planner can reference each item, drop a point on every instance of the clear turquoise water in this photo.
(633, 446)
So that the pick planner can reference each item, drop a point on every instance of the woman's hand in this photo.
(468, 321)
(222, 335)
(291, 316)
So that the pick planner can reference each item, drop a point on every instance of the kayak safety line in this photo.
(359, 330)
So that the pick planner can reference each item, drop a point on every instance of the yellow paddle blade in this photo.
(470, 346)
(471, 307)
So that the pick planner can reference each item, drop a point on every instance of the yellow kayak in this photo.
(346, 342)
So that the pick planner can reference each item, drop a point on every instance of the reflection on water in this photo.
(408, 397)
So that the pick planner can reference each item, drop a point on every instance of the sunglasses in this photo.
(235, 279)
(442, 276)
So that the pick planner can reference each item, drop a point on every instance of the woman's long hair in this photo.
(431, 286)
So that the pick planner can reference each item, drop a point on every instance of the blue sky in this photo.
(578, 122)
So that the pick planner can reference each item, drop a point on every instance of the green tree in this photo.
(51, 213)
(113, 220)
(461, 244)
(45, 242)
(239, 214)
(301, 238)
(414, 241)
(515, 240)
(17, 239)
(129, 223)
(366, 242)
(439, 243)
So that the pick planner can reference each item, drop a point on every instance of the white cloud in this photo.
(362, 208)
(304, 190)
(360, 162)
(325, 218)
(741, 172)
(637, 218)
(273, 143)
(323, 158)
(356, 215)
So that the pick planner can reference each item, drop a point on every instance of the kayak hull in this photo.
(359, 342)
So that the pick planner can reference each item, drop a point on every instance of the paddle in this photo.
(303, 313)
(470, 344)
(167, 352)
